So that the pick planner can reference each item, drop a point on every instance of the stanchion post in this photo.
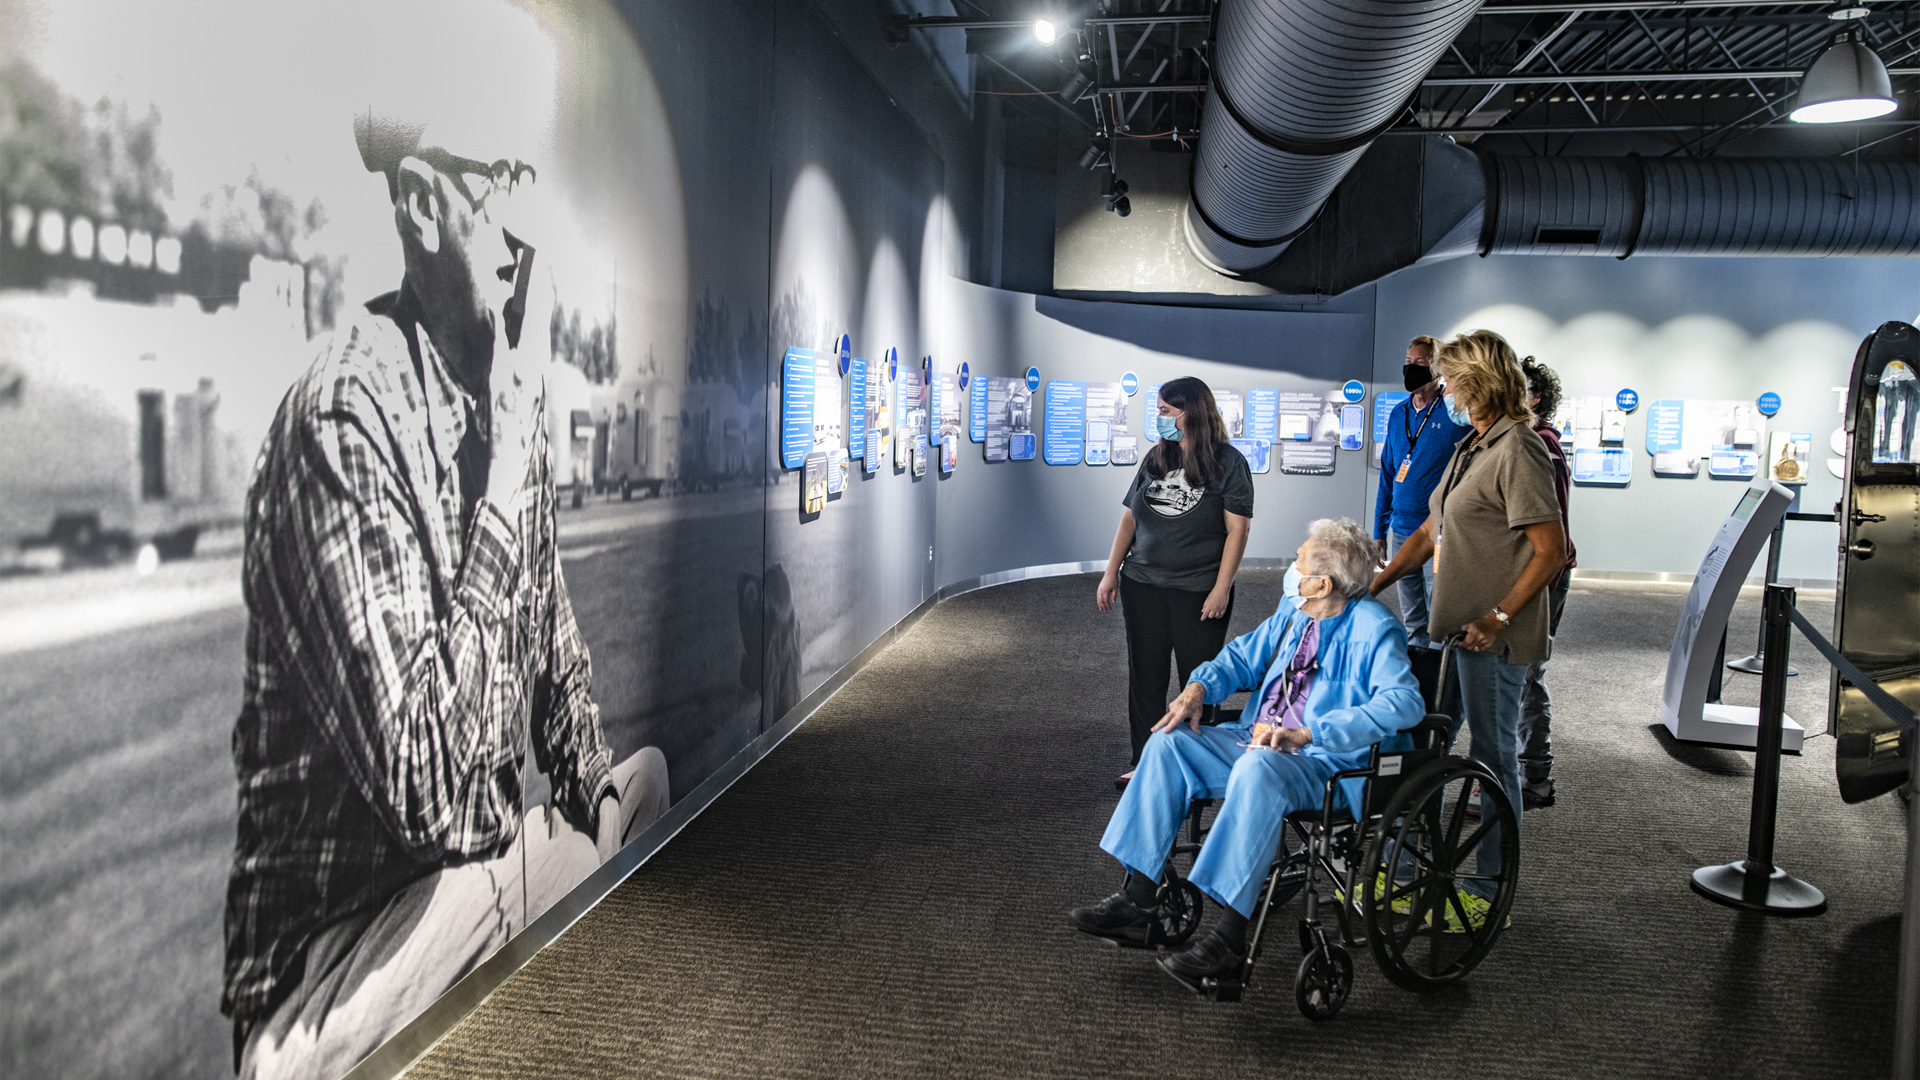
(1906, 1013)
(1755, 884)
(1751, 664)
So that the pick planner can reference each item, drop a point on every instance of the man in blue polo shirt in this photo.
(1420, 438)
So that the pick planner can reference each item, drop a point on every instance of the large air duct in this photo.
(1694, 206)
(1300, 88)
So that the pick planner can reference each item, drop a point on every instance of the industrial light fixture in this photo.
(1044, 31)
(1848, 81)
(1115, 192)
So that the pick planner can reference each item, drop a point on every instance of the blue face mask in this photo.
(1290, 585)
(1458, 412)
(1169, 427)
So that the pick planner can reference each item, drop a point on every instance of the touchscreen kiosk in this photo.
(1684, 707)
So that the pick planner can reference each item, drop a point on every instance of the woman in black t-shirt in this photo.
(1178, 547)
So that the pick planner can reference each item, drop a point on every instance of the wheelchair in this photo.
(1392, 877)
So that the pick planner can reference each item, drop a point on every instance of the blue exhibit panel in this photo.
(1065, 439)
(857, 404)
(1666, 420)
(1383, 406)
(1602, 465)
(1263, 415)
(796, 407)
(977, 410)
(1153, 411)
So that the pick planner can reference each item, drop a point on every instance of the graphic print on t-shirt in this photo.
(1171, 496)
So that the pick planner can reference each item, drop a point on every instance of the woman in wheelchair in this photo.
(1332, 680)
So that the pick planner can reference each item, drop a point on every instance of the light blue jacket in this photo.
(1364, 692)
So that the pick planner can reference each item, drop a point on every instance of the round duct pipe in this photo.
(1701, 207)
(1300, 88)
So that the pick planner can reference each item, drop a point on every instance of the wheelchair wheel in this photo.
(1438, 884)
(1321, 985)
(1180, 909)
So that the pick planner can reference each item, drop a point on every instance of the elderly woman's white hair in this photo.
(1343, 553)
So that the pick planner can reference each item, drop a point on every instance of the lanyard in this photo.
(1455, 475)
(1413, 433)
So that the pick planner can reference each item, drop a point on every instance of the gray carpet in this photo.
(884, 896)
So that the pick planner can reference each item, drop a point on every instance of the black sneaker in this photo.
(1211, 958)
(1536, 795)
(1117, 918)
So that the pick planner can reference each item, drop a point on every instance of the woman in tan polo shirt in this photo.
(1496, 542)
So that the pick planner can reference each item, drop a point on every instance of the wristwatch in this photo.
(1505, 619)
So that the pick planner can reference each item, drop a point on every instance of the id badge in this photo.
(1405, 464)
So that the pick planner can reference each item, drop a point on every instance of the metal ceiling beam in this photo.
(1610, 129)
(1633, 5)
(956, 22)
(1630, 76)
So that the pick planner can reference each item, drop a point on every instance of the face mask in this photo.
(1290, 585)
(1416, 375)
(1169, 427)
(1457, 412)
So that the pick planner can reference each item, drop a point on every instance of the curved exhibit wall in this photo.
(1673, 330)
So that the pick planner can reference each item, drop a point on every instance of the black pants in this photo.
(1163, 622)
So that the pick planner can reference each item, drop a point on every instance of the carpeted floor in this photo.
(884, 896)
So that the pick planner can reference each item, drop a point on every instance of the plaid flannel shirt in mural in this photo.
(407, 642)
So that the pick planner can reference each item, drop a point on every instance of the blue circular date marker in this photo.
(1627, 400)
(1769, 403)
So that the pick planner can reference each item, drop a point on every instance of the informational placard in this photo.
(949, 453)
(796, 407)
(829, 415)
(1383, 406)
(1263, 414)
(1593, 431)
(1787, 455)
(1065, 437)
(1258, 452)
(1352, 427)
(813, 482)
(1727, 436)
(910, 407)
(837, 466)
(1307, 458)
(880, 415)
(857, 406)
(917, 460)
(1110, 438)
(1233, 410)
(948, 402)
(1009, 421)
(977, 408)
(1149, 425)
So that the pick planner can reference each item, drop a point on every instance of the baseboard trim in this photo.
(399, 1053)
(1660, 578)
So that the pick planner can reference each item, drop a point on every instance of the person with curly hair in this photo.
(1536, 702)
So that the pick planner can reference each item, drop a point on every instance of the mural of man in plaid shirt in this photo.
(410, 640)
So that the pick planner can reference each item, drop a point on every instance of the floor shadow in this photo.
(1711, 760)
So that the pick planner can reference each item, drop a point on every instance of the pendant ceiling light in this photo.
(1847, 81)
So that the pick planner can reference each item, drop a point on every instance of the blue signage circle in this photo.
(893, 365)
(966, 375)
(1130, 383)
(1769, 403)
(1627, 400)
(846, 353)
(1033, 378)
(1354, 390)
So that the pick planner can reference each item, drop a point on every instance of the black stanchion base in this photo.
(1779, 894)
(1751, 665)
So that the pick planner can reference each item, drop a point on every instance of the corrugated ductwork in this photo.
(1691, 206)
(1300, 88)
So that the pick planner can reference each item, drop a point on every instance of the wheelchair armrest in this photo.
(1432, 732)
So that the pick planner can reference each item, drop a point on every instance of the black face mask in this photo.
(1416, 375)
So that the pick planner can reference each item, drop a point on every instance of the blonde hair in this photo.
(1427, 342)
(1482, 371)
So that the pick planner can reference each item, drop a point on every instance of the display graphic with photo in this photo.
(910, 405)
(879, 413)
(813, 483)
(1110, 438)
(1233, 410)
(365, 433)
(952, 411)
(1593, 431)
(1009, 420)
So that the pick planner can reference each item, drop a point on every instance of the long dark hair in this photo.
(1205, 433)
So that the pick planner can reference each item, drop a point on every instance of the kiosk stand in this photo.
(1690, 707)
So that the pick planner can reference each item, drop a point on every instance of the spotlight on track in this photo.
(1044, 31)
(1848, 81)
(1115, 192)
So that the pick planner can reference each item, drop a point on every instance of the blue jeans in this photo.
(1260, 788)
(1490, 701)
(1415, 590)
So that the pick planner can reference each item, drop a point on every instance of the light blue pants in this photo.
(1490, 698)
(1415, 590)
(1260, 788)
